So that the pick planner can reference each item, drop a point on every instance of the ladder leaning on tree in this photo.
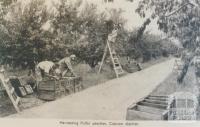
(113, 55)
(10, 91)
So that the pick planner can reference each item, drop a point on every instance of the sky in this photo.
(133, 19)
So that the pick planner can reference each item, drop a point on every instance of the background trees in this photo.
(27, 42)
(31, 33)
(179, 19)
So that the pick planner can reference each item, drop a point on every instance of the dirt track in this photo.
(107, 101)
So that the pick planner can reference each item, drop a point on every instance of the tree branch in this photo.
(177, 10)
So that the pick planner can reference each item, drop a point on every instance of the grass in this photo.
(170, 84)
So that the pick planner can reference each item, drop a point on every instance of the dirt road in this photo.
(107, 101)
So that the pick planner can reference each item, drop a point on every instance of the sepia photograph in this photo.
(121, 60)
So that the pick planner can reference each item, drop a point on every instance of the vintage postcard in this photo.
(99, 62)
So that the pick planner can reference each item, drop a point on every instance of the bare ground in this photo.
(90, 78)
(106, 101)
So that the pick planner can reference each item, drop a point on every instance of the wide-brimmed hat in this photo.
(72, 56)
(2, 70)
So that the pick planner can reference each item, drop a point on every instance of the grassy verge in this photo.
(170, 86)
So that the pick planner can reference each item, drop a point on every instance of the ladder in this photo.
(196, 60)
(10, 91)
(115, 61)
(178, 66)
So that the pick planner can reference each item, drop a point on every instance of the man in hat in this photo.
(113, 35)
(42, 69)
(65, 66)
(45, 68)
(2, 78)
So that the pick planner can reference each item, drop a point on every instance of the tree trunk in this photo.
(187, 60)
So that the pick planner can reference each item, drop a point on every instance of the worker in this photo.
(113, 35)
(2, 70)
(65, 66)
(196, 62)
(3, 78)
(138, 66)
(196, 59)
(45, 68)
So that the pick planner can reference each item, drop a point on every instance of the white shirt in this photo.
(45, 65)
(112, 37)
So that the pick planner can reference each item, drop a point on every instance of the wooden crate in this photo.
(2, 91)
(49, 90)
(67, 85)
(78, 84)
(75, 82)
(131, 68)
(22, 91)
(48, 85)
(28, 89)
(47, 95)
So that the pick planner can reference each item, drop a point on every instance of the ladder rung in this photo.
(119, 69)
(116, 65)
(113, 53)
(12, 90)
(11, 93)
(17, 100)
(121, 72)
(116, 61)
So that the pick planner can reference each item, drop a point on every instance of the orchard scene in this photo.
(51, 50)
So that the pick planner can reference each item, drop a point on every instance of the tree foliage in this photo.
(25, 41)
(92, 29)
(31, 33)
(177, 18)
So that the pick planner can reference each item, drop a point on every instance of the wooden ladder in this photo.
(178, 66)
(11, 92)
(115, 60)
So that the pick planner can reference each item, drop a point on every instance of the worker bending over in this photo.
(45, 68)
(65, 66)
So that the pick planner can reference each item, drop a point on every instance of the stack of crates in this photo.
(20, 86)
(50, 89)
(72, 84)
